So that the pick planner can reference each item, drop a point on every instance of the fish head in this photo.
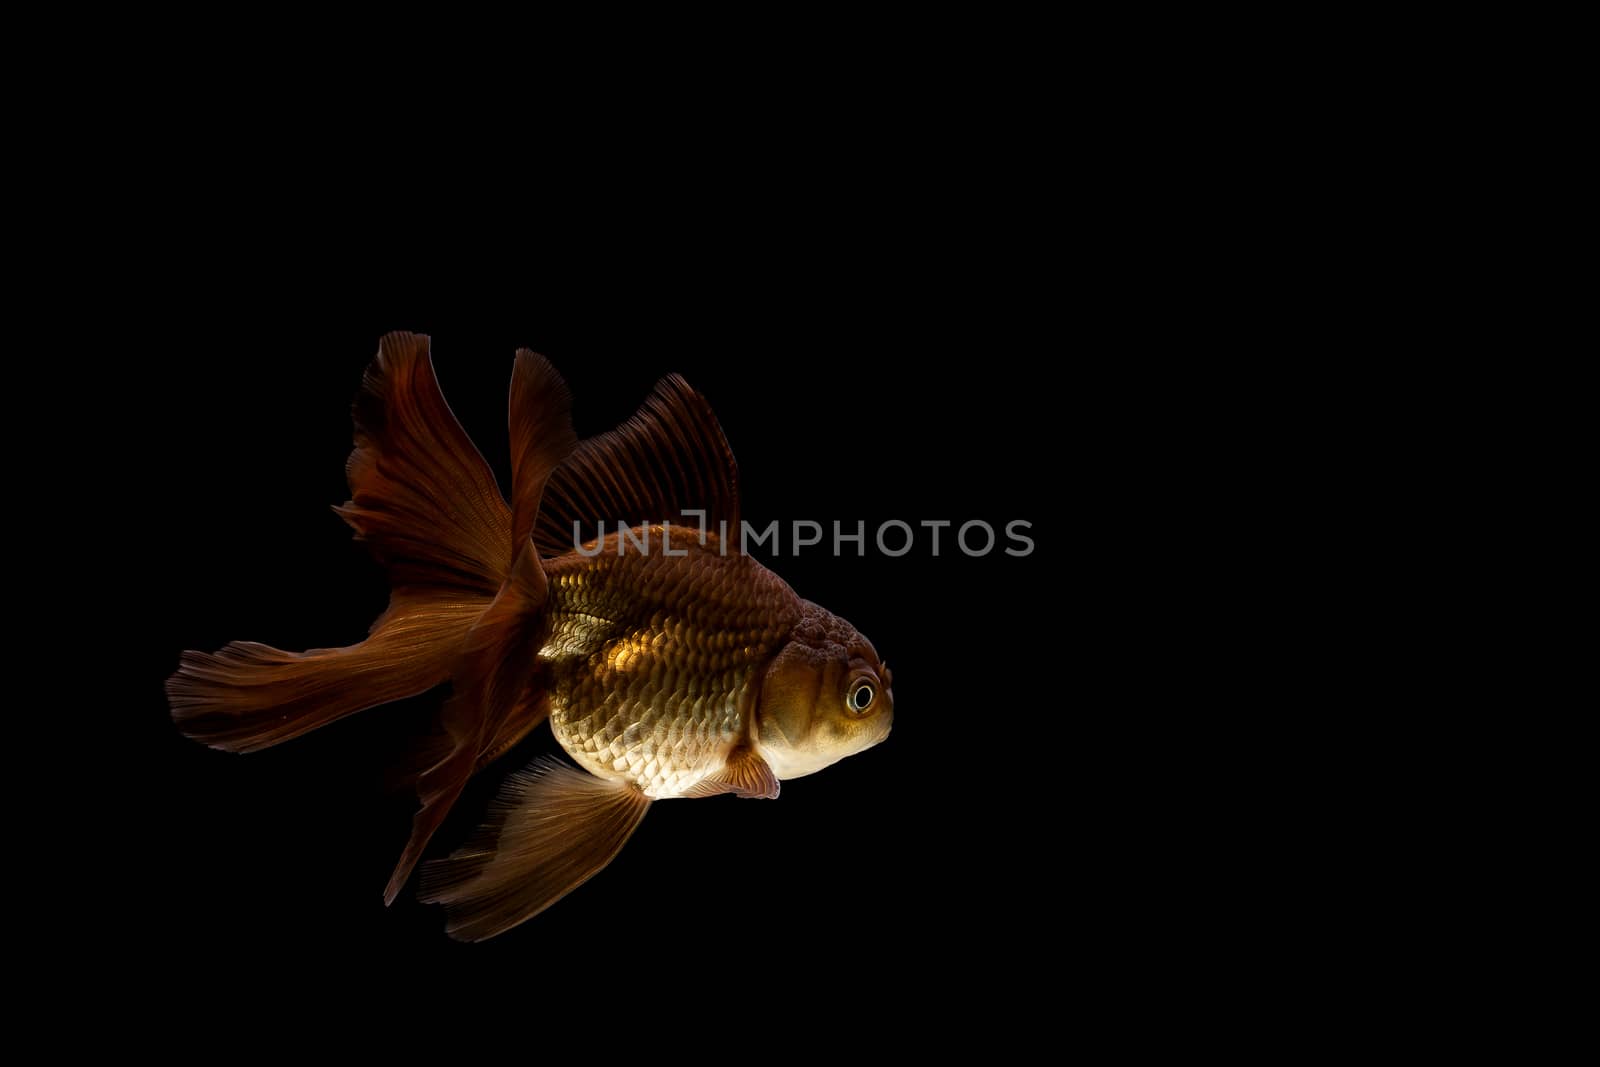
(824, 696)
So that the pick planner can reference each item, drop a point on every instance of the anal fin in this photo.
(552, 828)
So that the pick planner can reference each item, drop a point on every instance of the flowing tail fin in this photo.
(494, 691)
(498, 698)
(250, 696)
(426, 503)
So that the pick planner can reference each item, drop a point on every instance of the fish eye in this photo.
(861, 698)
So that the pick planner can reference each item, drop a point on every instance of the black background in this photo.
(881, 387)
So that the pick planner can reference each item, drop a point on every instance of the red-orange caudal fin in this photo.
(552, 828)
(540, 420)
(250, 696)
(494, 697)
(421, 495)
(425, 502)
(498, 698)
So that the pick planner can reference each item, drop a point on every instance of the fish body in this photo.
(656, 659)
(667, 662)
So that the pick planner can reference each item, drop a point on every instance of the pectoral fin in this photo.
(745, 774)
(552, 828)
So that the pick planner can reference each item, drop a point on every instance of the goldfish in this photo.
(668, 663)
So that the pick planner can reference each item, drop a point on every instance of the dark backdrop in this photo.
(880, 388)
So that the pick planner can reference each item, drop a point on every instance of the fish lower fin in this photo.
(744, 774)
(250, 696)
(552, 828)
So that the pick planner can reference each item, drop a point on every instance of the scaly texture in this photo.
(654, 656)
(667, 670)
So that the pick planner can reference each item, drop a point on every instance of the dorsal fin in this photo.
(669, 458)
